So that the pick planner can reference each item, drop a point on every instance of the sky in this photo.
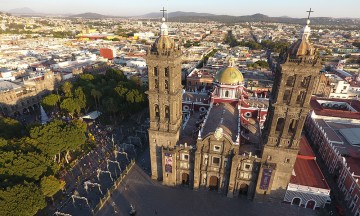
(291, 8)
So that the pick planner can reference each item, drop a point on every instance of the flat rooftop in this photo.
(322, 109)
(6, 86)
(343, 136)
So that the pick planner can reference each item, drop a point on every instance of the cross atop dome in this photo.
(163, 10)
(163, 28)
(309, 11)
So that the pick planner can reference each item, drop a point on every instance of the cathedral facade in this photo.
(226, 140)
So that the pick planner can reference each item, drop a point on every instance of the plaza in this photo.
(150, 197)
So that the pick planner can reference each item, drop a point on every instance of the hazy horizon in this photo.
(276, 8)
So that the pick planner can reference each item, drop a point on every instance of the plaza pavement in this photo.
(152, 198)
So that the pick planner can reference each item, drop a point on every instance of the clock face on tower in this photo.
(218, 133)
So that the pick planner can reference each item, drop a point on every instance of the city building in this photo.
(227, 140)
(333, 128)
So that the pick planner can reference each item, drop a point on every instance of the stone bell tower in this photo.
(165, 98)
(297, 72)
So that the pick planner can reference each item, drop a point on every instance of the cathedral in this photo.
(226, 140)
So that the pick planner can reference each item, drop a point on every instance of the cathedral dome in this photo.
(302, 47)
(163, 42)
(229, 75)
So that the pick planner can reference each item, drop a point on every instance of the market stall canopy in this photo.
(92, 115)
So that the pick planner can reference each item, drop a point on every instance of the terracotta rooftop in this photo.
(305, 149)
(308, 173)
(306, 170)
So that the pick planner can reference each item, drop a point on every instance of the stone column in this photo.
(286, 127)
(281, 88)
(197, 173)
(153, 158)
(232, 178)
(295, 92)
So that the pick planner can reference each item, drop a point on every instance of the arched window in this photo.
(296, 201)
(305, 82)
(167, 70)
(167, 112)
(155, 71)
(226, 93)
(286, 97)
(156, 83)
(280, 124)
(166, 84)
(290, 81)
(292, 126)
(157, 111)
(300, 98)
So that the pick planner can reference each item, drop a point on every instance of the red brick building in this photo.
(308, 187)
(334, 129)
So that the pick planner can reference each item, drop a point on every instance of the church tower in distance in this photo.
(165, 97)
(296, 75)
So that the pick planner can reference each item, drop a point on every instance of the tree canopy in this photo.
(22, 199)
(58, 136)
(50, 101)
(50, 185)
(10, 128)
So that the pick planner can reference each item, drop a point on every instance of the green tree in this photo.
(50, 185)
(58, 136)
(80, 97)
(67, 89)
(29, 165)
(87, 77)
(70, 105)
(3, 142)
(230, 39)
(111, 106)
(50, 101)
(121, 91)
(97, 95)
(23, 199)
(262, 64)
(10, 128)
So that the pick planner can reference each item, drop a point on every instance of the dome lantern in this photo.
(229, 75)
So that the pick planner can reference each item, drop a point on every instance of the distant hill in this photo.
(205, 17)
(89, 16)
(24, 10)
(174, 14)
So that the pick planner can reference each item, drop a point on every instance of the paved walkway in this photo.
(151, 198)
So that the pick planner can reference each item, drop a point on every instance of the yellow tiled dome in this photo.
(230, 75)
